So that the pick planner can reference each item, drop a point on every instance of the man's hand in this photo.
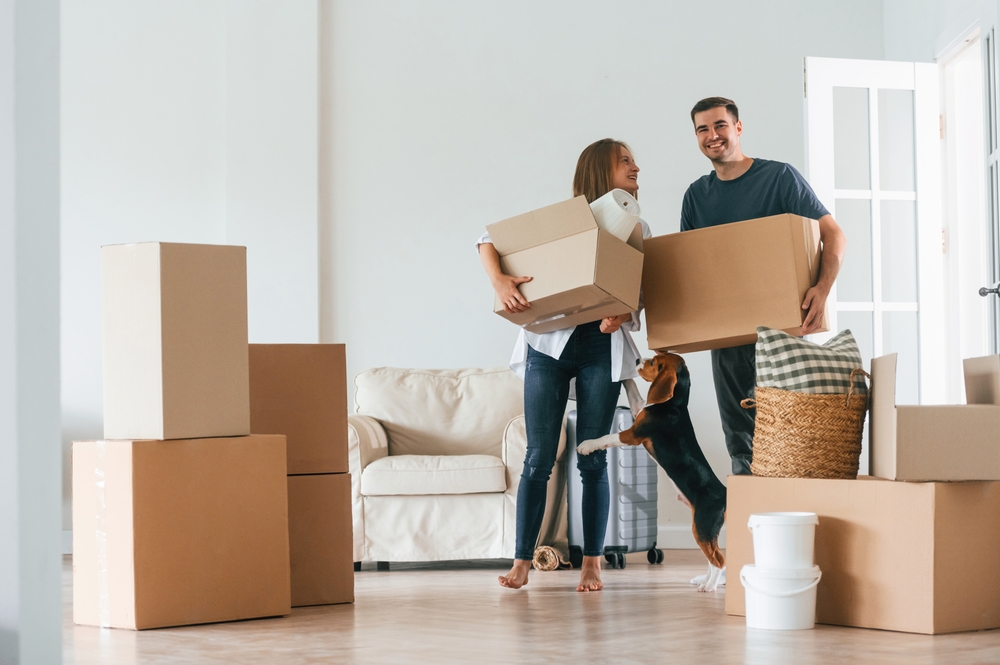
(815, 302)
(613, 323)
(512, 299)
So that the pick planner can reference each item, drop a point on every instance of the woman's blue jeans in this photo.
(587, 358)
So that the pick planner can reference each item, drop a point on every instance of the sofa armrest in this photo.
(366, 442)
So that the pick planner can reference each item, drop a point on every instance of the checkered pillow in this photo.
(792, 363)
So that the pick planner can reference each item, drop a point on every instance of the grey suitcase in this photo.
(632, 512)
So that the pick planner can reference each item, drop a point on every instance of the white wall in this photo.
(186, 121)
(440, 117)
(30, 582)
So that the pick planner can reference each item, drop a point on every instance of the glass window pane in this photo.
(895, 140)
(860, 325)
(854, 284)
(900, 335)
(899, 251)
(850, 138)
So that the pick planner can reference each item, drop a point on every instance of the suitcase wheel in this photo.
(615, 559)
(654, 555)
(576, 556)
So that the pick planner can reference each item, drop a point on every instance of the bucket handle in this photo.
(781, 594)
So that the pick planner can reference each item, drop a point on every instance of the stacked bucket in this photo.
(781, 583)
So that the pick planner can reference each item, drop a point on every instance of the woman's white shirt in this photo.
(624, 352)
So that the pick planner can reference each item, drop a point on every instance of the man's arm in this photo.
(834, 245)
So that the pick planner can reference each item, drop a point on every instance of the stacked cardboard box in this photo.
(300, 390)
(897, 553)
(180, 515)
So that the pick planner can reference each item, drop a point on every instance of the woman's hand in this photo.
(506, 288)
(613, 323)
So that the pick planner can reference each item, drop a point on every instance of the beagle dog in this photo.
(664, 428)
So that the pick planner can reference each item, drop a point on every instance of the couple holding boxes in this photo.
(600, 355)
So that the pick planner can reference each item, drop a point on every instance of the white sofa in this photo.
(435, 461)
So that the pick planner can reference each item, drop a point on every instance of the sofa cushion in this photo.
(440, 412)
(433, 474)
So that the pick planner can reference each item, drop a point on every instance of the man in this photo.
(738, 189)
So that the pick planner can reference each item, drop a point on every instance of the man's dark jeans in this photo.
(734, 370)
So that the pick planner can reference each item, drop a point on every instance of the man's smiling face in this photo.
(718, 134)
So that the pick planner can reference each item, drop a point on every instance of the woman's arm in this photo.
(505, 285)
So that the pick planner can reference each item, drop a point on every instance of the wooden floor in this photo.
(458, 614)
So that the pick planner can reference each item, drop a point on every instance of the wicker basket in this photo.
(798, 435)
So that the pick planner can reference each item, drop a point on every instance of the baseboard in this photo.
(67, 541)
(677, 537)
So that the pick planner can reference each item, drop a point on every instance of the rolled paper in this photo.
(617, 213)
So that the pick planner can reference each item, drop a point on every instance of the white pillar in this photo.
(30, 523)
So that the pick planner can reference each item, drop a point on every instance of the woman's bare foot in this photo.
(518, 575)
(590, 574)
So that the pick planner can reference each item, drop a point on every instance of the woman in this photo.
(599, 355)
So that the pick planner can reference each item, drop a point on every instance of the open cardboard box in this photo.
(581, 273)
(711, 288)
(947, 442)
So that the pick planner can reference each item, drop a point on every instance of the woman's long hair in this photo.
(594, 168)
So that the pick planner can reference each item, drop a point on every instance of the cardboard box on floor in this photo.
(947, 442)
(173, 533)
(300, 390)
(175, 341)
(320, 539)
(581, 273)
(711, 288)
(912, 557)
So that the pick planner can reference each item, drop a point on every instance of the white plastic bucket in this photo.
(780, 599)
(783, 540)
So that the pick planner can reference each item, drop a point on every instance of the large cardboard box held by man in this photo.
(300, 390)
(936, 442)
(175, 341)
(912, 557)
(320, 539)
(581, 273)
(173, 533)
(711, 288)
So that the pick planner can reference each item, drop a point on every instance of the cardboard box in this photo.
(581, 272)
(947, 442)
(912, 557)
(711, 288)
(321, 539)
(300, 390)
(175, 341)
(172, 533)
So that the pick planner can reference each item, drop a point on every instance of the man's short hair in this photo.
(713, 103)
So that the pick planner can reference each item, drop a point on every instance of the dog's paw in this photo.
(593, 445)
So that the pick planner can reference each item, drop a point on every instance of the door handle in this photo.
(995, 290)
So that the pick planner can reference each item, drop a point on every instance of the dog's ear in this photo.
(662, 389)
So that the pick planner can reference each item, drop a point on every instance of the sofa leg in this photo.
(381, 565)
(357, 566)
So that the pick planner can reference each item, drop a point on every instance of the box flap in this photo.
(635, 239)
(952, 442)
(982, 380)
(541, 226)
(882, 423)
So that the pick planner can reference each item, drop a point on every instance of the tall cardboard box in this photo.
(320, 539)
(912, 557)
(172, 533)
(946, 442)
(711, 288)
(300, 390)
(581, 273)
(175, 341)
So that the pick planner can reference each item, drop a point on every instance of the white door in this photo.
(990, 107)
(873, 157)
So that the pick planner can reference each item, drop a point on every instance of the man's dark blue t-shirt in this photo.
(767, 188)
